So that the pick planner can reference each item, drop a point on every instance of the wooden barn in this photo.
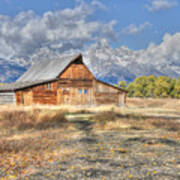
(65, 81)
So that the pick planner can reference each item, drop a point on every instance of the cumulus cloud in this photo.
(98, 4)
(167, 53)
(133, 29)
(156, 5)
(25, 35)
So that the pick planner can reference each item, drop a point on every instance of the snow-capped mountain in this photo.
(107, 63)
(124, 64)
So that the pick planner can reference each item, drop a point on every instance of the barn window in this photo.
(48, 86)
(80, 91)
(66, 91)
(86, 91)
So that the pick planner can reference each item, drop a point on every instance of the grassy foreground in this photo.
(140, 141)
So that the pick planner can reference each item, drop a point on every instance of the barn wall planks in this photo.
(104, 88)
(75, 96)
(106, 94)
(63, 83)
(45, 93)
(122, 99)
(76, 71)
(106, 98)
(19, 97)
(7, 98)
(24, 97)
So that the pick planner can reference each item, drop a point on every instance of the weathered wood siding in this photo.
(105, 94)
(76, 71)
(122, 98)
(40, 94)
(7, 98)
(19, 98)
(75, 96)
(44, 95)
(24, 97)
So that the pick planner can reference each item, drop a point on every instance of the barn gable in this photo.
(76, 70)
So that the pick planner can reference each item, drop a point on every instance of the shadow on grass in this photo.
(95, 173)
(85, 126)
(152, 141)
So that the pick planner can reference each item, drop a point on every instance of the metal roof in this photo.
(21, 85)
(47, 69)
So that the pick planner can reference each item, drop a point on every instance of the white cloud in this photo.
(98, 4)
(156, 5)
(27, 34)
(133, 29)
(168, 52)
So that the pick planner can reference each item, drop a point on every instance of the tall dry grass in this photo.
(137, 114)
(109, 120)
(165, 103)
(35, 118)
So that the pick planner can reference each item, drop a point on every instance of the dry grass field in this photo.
(139, 141)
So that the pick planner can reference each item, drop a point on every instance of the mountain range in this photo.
(108, 64)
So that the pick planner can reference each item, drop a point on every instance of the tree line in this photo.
(152, 86)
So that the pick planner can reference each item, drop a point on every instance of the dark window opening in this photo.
(86, 91)
(80, 91)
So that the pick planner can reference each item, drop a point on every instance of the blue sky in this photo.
(136, 37)
(124, 12)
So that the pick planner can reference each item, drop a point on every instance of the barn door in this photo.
(83, 96)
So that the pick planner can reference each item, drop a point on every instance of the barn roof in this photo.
(22, 85)
(47, 69)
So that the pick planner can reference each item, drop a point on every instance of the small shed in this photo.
(7, 98)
